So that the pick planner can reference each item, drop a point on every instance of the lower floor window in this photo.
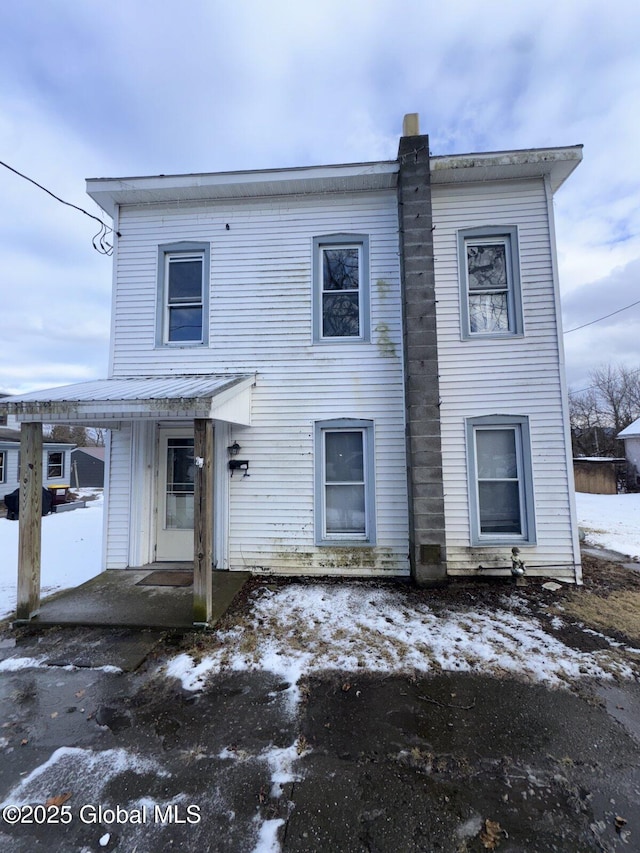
(500, 480)
(345, 502)
(2, 467)
(55, 464)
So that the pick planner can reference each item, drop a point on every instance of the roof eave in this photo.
(109, 193)
(555, 163)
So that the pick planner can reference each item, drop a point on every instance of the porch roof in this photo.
(225, 397)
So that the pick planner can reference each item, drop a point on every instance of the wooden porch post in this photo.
(30, 521)
(203, 520)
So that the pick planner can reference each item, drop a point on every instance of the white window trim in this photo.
(366, 428)
(492, 234)
(3, 466)
(182, 250)
(520, 425)
(342, 241)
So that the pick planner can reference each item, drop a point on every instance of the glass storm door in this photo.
(174, 537)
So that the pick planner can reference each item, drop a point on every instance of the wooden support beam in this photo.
(203, 521)
(30, 521)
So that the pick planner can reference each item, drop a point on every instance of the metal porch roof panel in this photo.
(131, 396)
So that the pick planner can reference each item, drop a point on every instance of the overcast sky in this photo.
(170, 86)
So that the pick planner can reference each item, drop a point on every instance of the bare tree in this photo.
(598, 413)
(68, 434)
(98, 438)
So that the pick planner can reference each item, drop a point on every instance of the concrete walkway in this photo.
(113, 598)
(610, 556)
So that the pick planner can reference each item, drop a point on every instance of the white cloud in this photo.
(253, 85)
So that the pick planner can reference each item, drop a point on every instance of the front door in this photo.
(174, 529)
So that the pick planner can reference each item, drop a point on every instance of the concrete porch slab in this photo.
(113, 599)
(85, 647)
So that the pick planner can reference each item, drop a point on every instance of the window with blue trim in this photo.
(500, 480)
(341, 288)
(345, 491)
(183, 273)
(490, 288)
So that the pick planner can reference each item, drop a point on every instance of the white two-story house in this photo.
(338, 370)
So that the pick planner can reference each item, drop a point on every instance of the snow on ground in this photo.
(298, 630)
(83, 771)
(71, 550)
(611, 521)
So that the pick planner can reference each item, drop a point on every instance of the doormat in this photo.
(167, 579)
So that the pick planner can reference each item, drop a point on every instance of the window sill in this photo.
(504, 542)
(345, 340)
(182, 345)
(493, 336)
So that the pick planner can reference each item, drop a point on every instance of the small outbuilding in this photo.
(87, 467)
(598, 475)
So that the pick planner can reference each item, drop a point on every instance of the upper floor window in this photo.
(183, 294)
(490, 292)
(341, 288)
(55, 464)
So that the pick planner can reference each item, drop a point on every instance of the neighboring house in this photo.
(56, 462)
(377, 348)
(87, 467)
(631, 437)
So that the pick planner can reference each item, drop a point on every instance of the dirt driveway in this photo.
(360, 761)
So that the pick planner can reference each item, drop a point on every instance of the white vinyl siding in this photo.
(260, 314)
(118, 508)
(485, 376)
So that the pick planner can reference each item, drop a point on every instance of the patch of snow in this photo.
(82, 771)
(611, 521)
(268, 837)
(280, 763)
(71, 550)
(614, 643)
(298, 630)
(15, 664)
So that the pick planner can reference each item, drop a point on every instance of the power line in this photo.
(99, 240)
(584, 325)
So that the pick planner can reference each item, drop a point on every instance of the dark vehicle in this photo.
(12, 503)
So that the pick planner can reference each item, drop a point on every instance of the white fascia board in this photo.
(108, 193)
(556, 163)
